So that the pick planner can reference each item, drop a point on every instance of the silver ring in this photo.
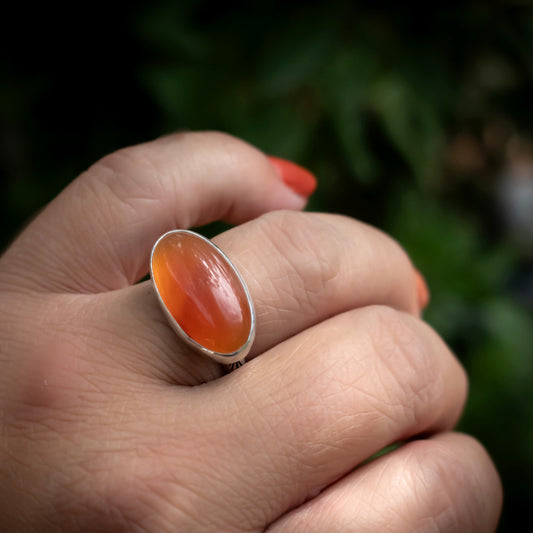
(203, 296)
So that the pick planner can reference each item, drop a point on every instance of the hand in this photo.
(110, 424)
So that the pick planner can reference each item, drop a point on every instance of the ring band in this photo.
(203, 296)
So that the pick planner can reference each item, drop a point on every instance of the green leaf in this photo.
(345, 86)
(411, 124)
(293, 55)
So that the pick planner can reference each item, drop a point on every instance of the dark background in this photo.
(417, 121)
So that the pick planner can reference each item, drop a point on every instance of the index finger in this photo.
(98, 233)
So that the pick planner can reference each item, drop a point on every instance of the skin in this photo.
(109, 424)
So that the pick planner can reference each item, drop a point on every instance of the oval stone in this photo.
(201, 291)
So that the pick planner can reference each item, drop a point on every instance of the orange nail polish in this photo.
(422, 290)
(300, 180)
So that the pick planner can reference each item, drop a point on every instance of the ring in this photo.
(203, 296)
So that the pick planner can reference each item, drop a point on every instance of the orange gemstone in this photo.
(201, 291)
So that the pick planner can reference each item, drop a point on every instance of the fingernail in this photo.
(300, 180)
(422, 290)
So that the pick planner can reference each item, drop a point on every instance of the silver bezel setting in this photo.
(224, 358)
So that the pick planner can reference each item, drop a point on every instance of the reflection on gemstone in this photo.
(201, 291)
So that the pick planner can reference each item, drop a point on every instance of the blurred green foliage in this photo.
(408, 117)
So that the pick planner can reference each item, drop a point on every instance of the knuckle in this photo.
(122, 181)
(310, 249)
(409, 368)
(131, 172)
(445, 487)
(123, 161)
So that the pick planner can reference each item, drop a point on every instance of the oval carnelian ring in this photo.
(203, 296)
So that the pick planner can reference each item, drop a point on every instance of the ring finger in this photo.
(301, 268)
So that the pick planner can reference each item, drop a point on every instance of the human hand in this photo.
(109, 423)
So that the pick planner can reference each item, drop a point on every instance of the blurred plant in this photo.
(408, 117)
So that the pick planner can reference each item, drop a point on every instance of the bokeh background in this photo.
(419, 121)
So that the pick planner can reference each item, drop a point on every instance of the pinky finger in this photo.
(445, 483)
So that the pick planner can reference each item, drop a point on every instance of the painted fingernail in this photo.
(422, 290)
(300, 180)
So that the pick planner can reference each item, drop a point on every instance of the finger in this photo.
(98, 233)
(301, 268)
(318, 405)
(445, 483)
